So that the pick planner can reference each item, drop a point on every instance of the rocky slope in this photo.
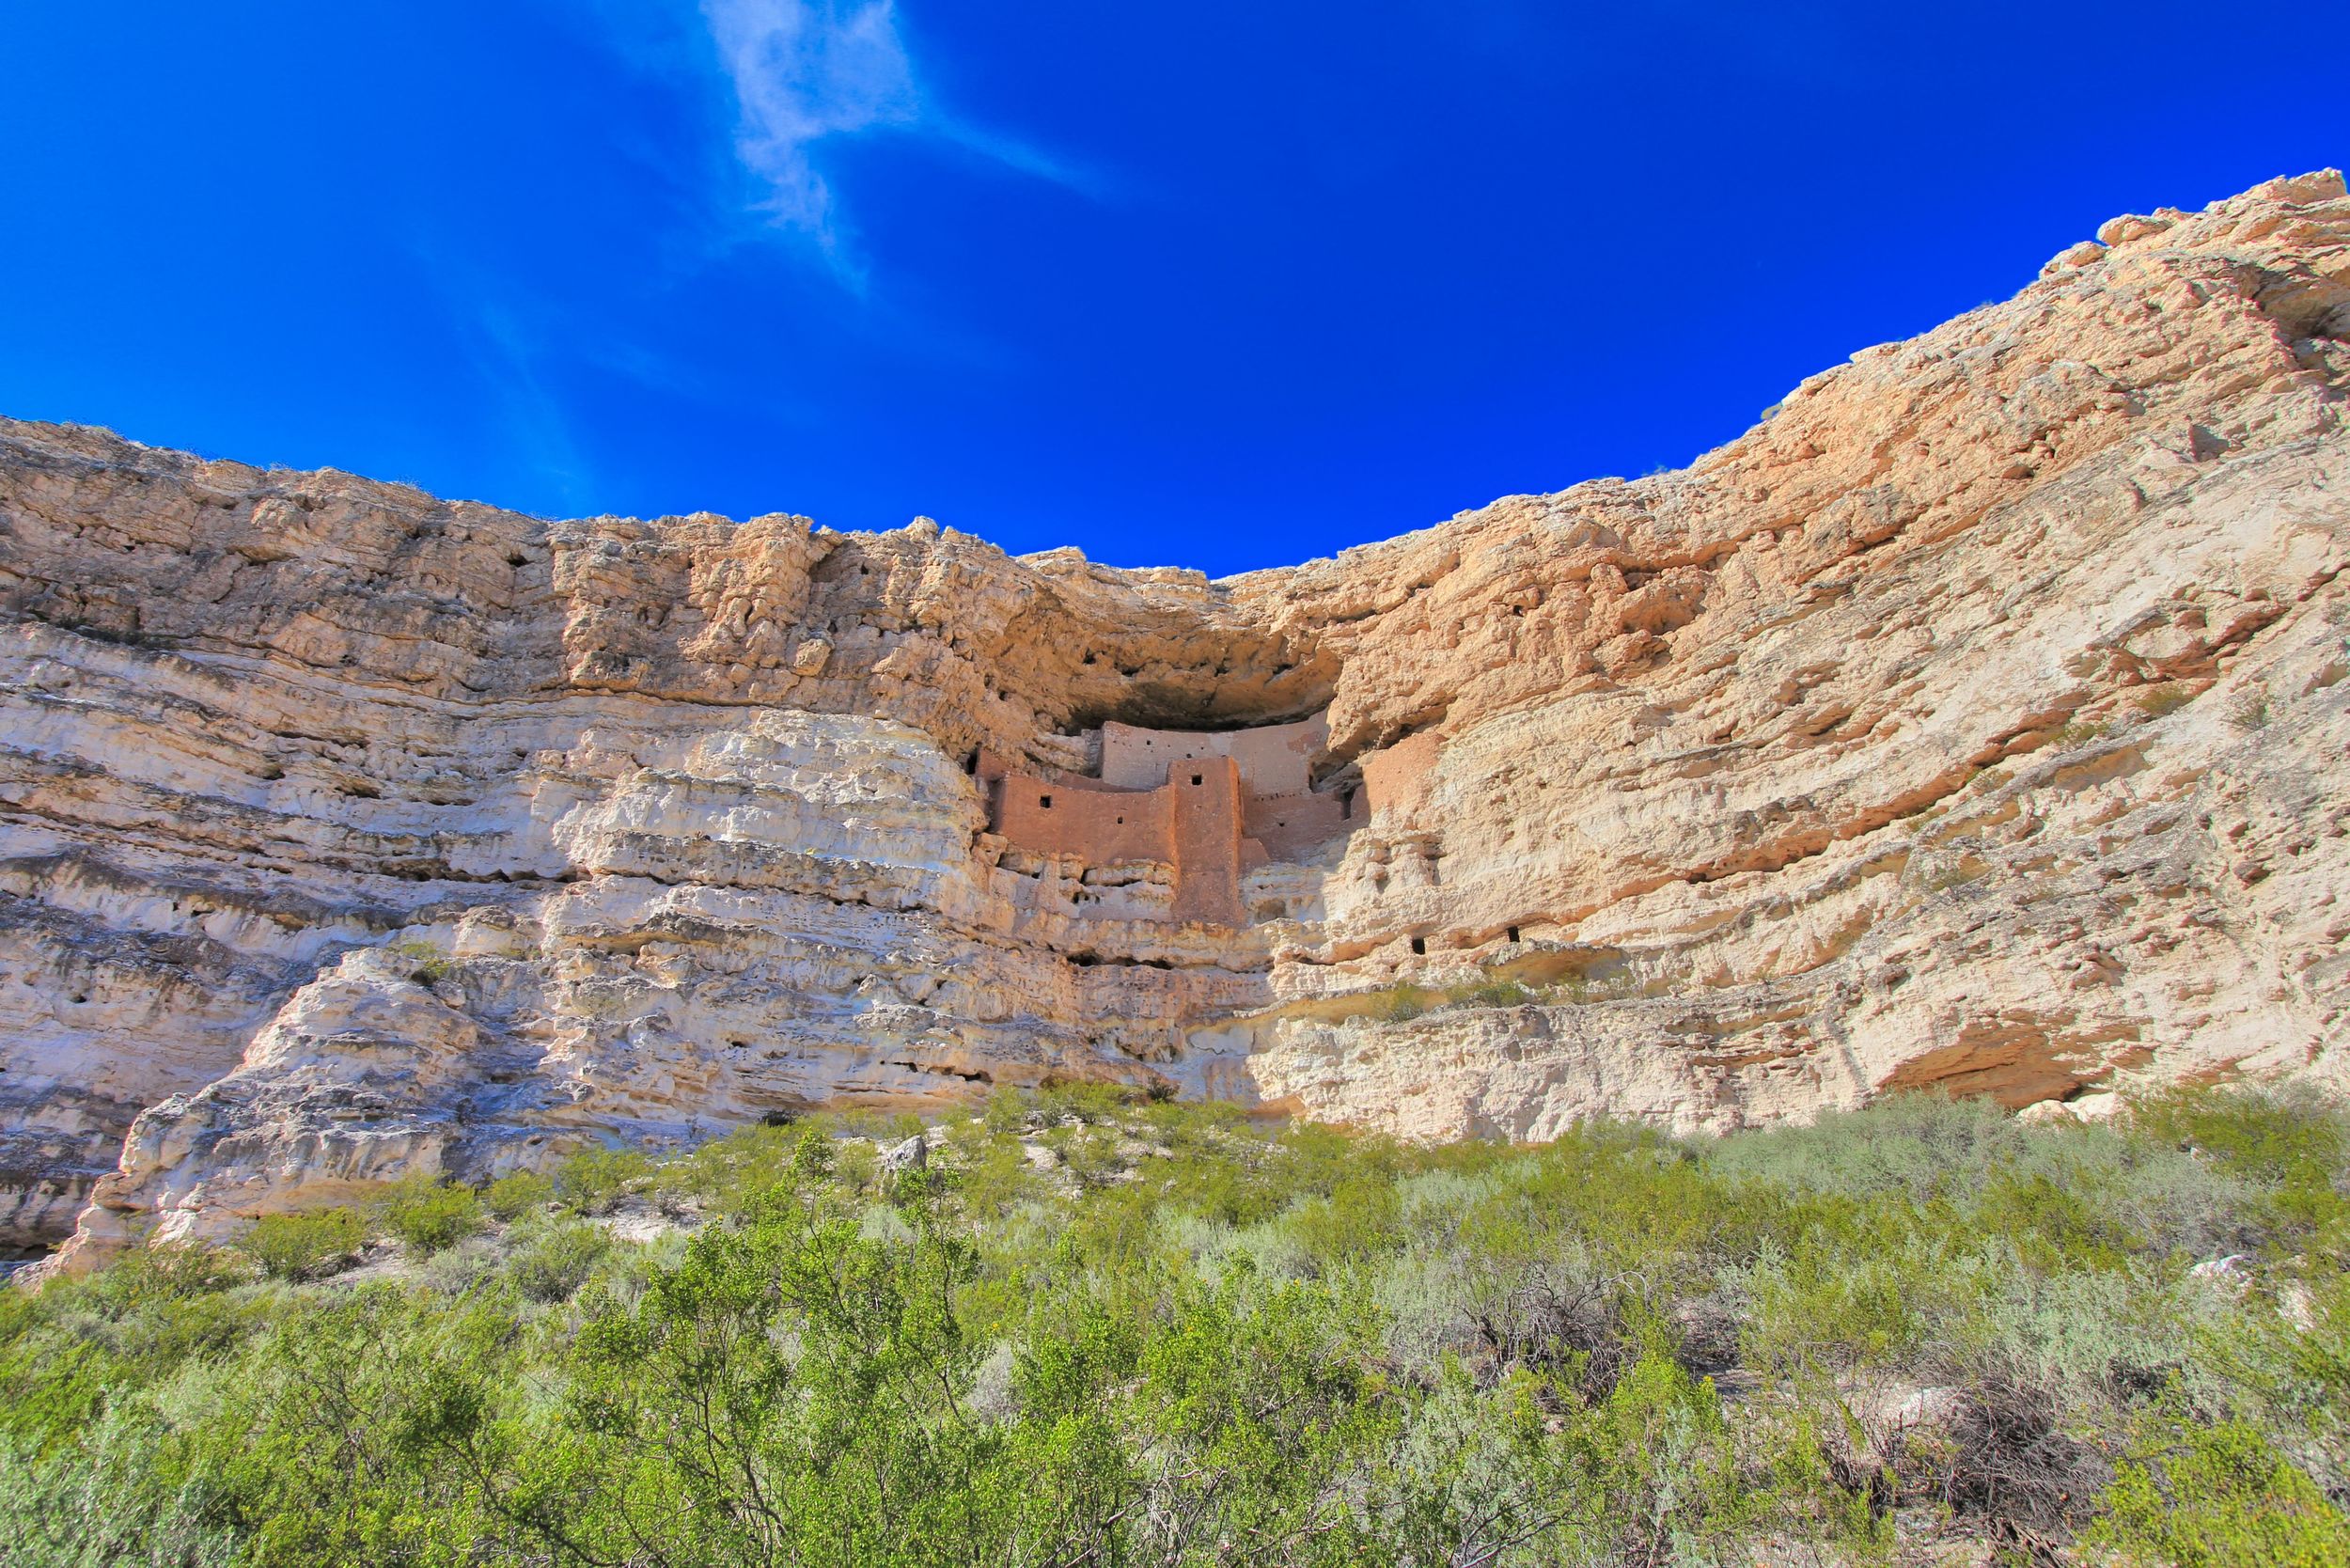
(1976, 719)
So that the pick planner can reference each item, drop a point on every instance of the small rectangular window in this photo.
(1514, 933)
(1419, 946)
(1196, 779)
(1046, 801)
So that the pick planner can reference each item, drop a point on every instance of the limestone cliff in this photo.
(1978, 719)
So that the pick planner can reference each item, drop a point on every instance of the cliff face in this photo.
(1976, 719)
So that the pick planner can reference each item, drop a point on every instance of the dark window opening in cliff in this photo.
(1514, 933)
(971, 763)
(1196, 779)
(1419, 946)
(1045, 802)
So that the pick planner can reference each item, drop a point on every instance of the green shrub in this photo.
(852, 1122)
(1491, 993)
(1006, 1111)
(1088, 1152)
(992, 1171)
(2217, 1496)
(2077, 732)
(2288, 1143)
(596, 1178)
(430, 1213)
(556, 1260)
(305, 1245)
(1399, 1003)
(511, 1197)
(1356, 1220)
(1230, 1339)
(120, 1496)
(427, 965)
(188, 1268)
(1616, 985)
(2287, 1137)
(2155, 701)
(1086, 1098)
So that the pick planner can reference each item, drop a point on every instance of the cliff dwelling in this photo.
(1208, 806)
(346, 833)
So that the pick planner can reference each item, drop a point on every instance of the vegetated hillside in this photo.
(1976, 719)
(1069, 1329)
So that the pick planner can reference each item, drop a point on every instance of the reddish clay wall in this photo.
(1292, 826)
(1199, 813)
(1100, 825)
(1206, 797)
(1397, 779)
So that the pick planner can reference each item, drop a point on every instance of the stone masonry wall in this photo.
(1097, 825)
(1207, 839)
(1274, 759)
(1291, 827)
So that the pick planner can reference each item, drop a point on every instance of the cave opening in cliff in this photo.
(1242, 689)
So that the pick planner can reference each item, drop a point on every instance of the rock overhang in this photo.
(1852, 747)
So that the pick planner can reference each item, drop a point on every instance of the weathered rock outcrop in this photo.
(1976, 719)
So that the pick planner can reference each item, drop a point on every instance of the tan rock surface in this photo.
(1976, 719)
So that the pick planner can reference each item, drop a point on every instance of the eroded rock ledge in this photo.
(1978, 718)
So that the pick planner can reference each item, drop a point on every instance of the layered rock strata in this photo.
(1978, 719)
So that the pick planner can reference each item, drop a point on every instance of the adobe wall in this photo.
(1196, 802)
(1205, 795)
(1274, 759)
(1066, 815)
(1100, 826)
(1396, 778)
(1291, 827)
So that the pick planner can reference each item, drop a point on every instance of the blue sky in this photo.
(1215, 285)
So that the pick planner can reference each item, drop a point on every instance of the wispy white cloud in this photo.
(507, 356)
(804, 71)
